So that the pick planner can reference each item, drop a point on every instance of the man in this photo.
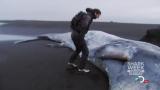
(80, 25)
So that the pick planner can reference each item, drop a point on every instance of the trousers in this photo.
(81, 46)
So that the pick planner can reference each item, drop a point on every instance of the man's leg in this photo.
(77, 42)
(85, 53)
(74, 55)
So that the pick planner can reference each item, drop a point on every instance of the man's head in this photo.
(95, 12)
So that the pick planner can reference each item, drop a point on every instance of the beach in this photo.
(34, 66)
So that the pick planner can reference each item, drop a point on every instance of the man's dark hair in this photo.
(93, 10)
(97, 11)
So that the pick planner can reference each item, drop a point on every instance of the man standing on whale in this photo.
(80, 25)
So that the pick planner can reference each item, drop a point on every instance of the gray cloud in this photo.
(136, 11)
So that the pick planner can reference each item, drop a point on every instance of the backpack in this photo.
(76, 20)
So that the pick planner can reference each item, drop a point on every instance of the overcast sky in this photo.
(134, 11)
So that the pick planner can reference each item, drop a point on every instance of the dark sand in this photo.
(34, 66)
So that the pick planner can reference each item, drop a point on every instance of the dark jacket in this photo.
(84, 23)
